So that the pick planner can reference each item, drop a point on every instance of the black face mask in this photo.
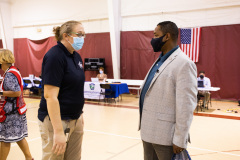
(157, 43)
(201, 76)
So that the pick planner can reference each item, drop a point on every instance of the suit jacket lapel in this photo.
(164, 65)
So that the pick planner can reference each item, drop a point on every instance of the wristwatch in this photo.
(1, 93)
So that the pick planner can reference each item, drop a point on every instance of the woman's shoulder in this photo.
(10, 76)
(55, 54)
(55, 50)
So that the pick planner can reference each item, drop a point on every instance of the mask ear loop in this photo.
(67, 40)
(163, 37)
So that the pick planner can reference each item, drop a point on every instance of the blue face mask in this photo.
(101, 72)
(77, 43)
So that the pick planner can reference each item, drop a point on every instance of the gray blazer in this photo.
(170, 101)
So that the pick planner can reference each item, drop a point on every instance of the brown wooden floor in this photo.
(111, 132)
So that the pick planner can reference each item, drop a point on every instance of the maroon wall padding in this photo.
(97, 45)
(1, 44)
(137, 55)
(29, 53)
(218, 57)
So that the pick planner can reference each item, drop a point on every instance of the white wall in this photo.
(31, 31)
(137, 7)
(114, 12)
(5, 7)
(146, 14)
(30, 15)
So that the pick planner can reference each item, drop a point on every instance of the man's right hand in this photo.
(59, 143)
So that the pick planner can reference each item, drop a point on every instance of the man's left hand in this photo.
(177, 149)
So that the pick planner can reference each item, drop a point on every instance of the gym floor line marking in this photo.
(135, 138)
(111, 134)
(30, 140)
(215, 151)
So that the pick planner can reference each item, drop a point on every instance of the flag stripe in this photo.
(199, 31)
(190, 42)
(193, 46)
(196, 35)
(191, 55)
(194, 42)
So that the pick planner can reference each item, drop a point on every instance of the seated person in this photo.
(101, 76)
(206, 84)
(206, 81)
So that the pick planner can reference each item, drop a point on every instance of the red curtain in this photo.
(219, 47)
(29, 53)
(97, 45)
(219, 56)
(1, 44)
(137, 55)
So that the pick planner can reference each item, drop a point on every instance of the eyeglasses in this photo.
(80, 35)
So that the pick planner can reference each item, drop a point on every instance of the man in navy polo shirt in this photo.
(60, 113)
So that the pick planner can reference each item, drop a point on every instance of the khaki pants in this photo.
(74, 146)
(206, 95)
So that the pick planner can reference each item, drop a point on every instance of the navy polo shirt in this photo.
(151, 74)
(62, 69)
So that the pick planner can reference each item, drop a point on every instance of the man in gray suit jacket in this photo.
(168, 97)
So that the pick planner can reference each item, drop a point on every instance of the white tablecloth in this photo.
(130, 82)
(31, 79)
(92, 90)
(209, 89)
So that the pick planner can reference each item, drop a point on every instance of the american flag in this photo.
(190, 42)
